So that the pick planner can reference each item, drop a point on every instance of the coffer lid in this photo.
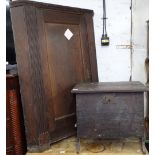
(94, 87)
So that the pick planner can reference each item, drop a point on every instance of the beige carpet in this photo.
(117, 147)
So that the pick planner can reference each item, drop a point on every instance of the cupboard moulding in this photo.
(50, 6)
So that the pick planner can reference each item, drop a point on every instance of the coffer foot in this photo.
(143, 146)
(78, 145)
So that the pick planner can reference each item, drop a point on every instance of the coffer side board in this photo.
(110, 115)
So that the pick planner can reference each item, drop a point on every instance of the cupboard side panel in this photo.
(91, 44)
(21, 48)
(30, 70)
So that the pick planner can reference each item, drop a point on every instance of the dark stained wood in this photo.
(111, 115)
(58, 17)
(109, 87)
(51, 7)
(30, 72)
(49, 65)
(91, 40)
(15, 136)
(106, 113)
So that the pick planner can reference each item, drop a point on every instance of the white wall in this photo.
(140, 16)
(114, 62)
(139, 41)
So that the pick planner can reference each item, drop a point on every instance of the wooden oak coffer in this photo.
(110, 109)
(55, 49)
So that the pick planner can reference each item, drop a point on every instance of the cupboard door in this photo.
(55, 51)
(69, 64)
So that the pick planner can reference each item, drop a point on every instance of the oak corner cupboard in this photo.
(55, 49)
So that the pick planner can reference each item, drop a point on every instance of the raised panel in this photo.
(65, 63)
(61, 17)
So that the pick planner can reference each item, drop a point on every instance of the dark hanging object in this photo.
(105, 38)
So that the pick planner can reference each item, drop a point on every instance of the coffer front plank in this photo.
(110, 102)
(110, 115)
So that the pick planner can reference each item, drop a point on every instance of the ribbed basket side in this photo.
(16, 123)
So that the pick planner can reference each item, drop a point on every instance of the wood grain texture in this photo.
(91, 41)
(50, 6)
(110, 110)
(30, 69)
(122, 116)
(22, 57)
(49, 66)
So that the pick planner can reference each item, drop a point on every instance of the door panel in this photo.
(69, 64)
(65, 63)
